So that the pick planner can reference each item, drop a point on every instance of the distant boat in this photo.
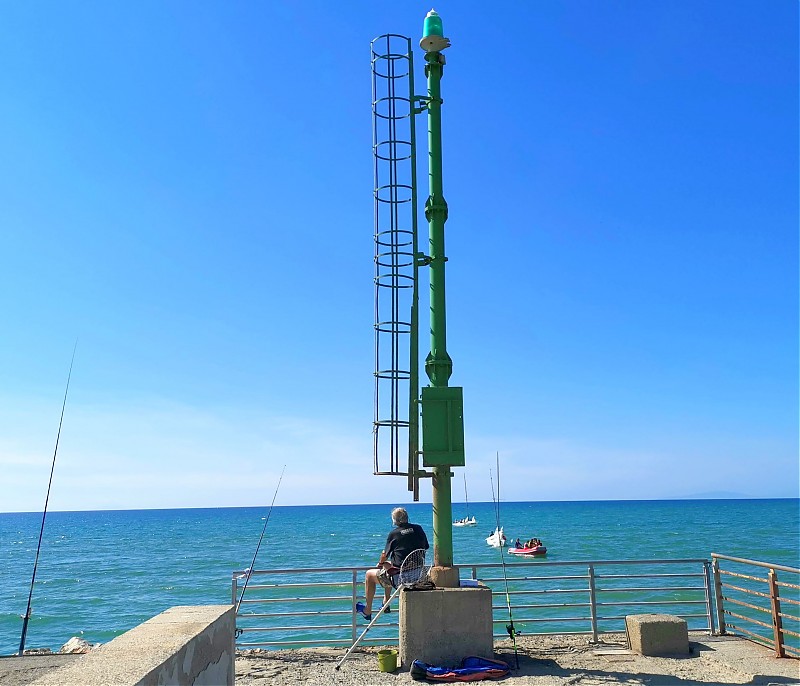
(466, 521)
(535, 550)
(497, 539)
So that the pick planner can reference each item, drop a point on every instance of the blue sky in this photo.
(187, 190)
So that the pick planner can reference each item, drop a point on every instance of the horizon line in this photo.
(397, 503)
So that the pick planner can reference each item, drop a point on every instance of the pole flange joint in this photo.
(439, 368)
(436, 207)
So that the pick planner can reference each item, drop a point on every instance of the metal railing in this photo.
(287, 608)
(761, 591)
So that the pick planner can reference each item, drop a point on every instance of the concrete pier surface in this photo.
(552, 660)
(544, 661)
(21, 671)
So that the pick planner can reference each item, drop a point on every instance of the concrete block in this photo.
(654, 635)
(188, 645)
(444, 625)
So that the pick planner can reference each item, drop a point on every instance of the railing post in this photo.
(709, 611)
(777, 624)
(718, 596)
(234, 595)
(593, 604)
(353, 604)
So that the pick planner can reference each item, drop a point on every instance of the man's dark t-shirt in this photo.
(402, 540)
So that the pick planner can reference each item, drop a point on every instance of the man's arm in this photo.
(387, 549)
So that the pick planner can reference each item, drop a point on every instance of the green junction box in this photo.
(443, 426)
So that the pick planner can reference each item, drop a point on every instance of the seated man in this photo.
(402, 539)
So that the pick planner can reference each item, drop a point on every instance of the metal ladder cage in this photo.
(396, 410)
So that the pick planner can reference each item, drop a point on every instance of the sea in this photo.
(101, 573)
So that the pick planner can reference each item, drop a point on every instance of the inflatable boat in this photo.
(536, 550)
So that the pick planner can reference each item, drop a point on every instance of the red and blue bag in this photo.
(473, 668)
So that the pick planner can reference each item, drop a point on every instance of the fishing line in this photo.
(512, 632)
(26, 617)
(494, 502)
(261, 538)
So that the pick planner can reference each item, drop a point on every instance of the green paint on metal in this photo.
(443, 426)
(438, 365)
(413, 378)
(442, 500)
(432, 26)
(442, 406)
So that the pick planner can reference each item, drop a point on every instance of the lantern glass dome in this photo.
(432, 25)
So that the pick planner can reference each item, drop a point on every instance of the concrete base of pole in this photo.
(444, 625)
(445, 577)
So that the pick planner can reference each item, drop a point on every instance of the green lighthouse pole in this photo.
(443, 429)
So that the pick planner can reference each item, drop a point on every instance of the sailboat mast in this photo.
(466, 498)
(497, 469)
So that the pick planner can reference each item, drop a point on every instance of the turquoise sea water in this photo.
(101, 573)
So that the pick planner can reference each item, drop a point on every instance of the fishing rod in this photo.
(26, 617)
(261, 538)
(512, 632)
(466, 497)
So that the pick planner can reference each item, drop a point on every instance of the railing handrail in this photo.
(484, 565)
(757, 563)
(522, 572)
(778, 642)
(556, 563)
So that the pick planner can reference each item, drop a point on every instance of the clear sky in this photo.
(186, 188)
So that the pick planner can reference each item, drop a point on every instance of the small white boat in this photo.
(497, 539)
(468, 520)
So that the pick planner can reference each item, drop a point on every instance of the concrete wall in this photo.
(445, 625)
(182, 646)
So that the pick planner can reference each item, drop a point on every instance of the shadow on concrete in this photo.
(549, 667)
(544, 667)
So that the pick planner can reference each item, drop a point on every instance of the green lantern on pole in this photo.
(433, 39)
(432, 25)
(442, 404)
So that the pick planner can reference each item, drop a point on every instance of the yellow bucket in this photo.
(387, 660)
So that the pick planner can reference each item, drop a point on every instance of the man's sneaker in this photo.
(362, 610)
